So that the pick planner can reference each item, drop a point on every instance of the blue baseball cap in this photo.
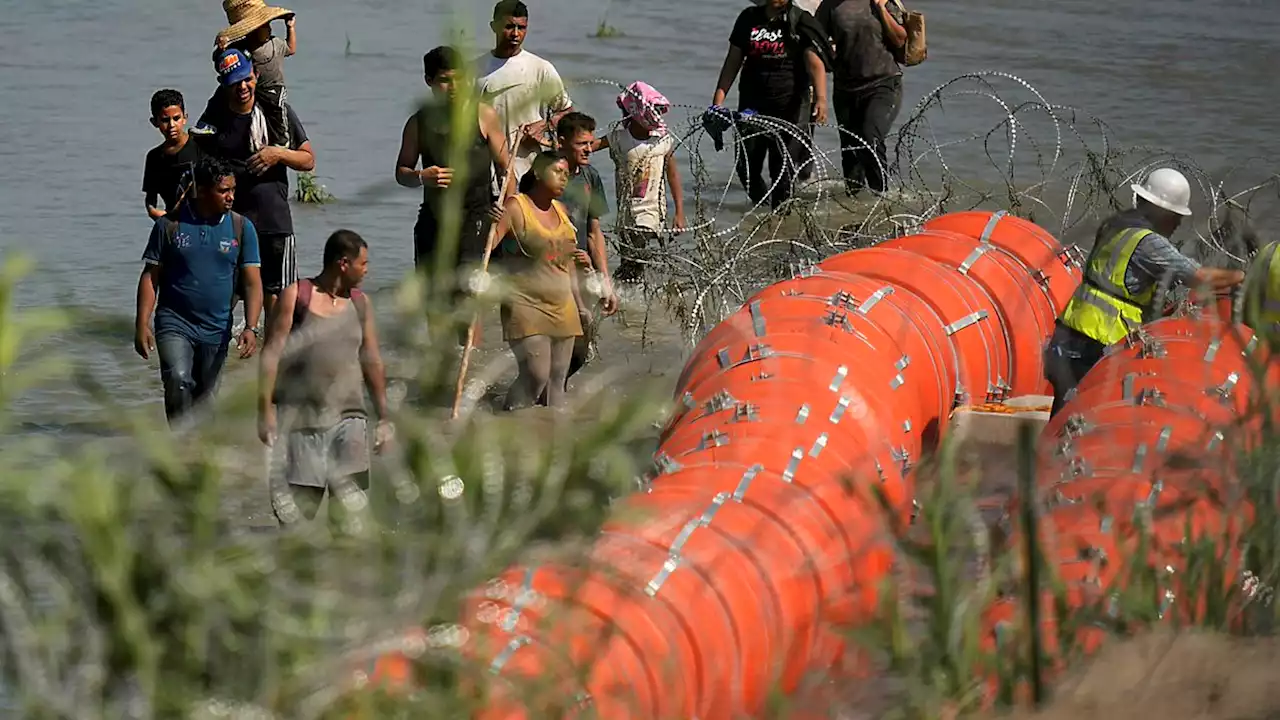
(233, 67)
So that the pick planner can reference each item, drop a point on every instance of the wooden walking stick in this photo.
(508, 184)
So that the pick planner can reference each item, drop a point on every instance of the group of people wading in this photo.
(528, 197)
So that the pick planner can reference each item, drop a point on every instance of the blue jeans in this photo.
(1068, 357)
(188, 370)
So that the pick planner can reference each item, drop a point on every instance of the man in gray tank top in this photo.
(321, 356)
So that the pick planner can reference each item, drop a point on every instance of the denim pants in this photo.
(1068, 357)
(865, 117)
(188, 370)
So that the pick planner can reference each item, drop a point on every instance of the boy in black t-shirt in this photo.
(166, 174)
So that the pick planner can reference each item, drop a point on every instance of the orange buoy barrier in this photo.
(1143, 457)
(763, 532)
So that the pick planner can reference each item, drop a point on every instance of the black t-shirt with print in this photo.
(264, 199)
(774, 78)
(167, 175)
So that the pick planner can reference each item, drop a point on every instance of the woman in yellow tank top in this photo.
(541, 314)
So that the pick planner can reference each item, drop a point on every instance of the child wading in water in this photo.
(166, 175)
(643, 154)
(250, 32)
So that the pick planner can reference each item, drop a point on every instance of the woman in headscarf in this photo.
(542, 314)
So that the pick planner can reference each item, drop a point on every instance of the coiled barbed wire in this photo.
(1066, 179)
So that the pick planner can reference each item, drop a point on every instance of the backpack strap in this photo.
(237, 227)
(302, 305)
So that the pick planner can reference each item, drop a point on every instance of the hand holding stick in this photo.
(508, 185)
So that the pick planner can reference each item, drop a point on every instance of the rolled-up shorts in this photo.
(319, 458)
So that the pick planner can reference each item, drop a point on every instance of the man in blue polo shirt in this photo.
(192, 260)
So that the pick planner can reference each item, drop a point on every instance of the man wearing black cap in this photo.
(237, 132)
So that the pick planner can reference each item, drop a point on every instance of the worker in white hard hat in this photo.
(1131, 255)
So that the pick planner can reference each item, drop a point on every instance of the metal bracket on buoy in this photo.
(1224, 391)
(715, 437)
(757, 319)
(674, 557)
(899, 380)
(745, 411)
(903, 457)
(666, 464)
(1150, 396)
(874, 298)
(802, 414)
(719, 402)
(1075, 426)
(838, 318)
(843, 299)
(965, 322)
(1073, 254)
(1077, 467)
(1214, 440)
(1211, 351)
(808, 271)
(973, 257)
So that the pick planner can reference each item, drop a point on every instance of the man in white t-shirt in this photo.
(525, 89)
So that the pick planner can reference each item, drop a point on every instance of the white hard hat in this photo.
(1166, 188)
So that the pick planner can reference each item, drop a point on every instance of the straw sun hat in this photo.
(246, 16)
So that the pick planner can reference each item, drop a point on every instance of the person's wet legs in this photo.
(557, 383)
(751, 154)
(533, 364)
(188, 371)
(865, 118)
(788, 152)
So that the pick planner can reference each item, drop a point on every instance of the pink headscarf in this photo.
(645, 105)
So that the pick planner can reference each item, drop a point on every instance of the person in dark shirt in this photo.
(166, 174)
(236, 133)
(192, 260)
(867, 84)
(427, 137)
(780, 53)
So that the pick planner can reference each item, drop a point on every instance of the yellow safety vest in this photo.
(1102, 308)
(1262, 293)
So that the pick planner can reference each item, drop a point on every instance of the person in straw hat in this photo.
(249, 31)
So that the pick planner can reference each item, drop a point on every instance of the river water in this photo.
(1177, 74)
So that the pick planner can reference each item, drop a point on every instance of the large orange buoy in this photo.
(764, 534)
(973, 325)
(1053, 267)
(1142, 459)
(1026, 314)
(928, 363)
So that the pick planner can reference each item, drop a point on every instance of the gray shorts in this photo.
(320, 458)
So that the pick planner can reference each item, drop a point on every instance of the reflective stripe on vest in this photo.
(1102, 307)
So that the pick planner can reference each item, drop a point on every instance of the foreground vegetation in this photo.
(133, 589)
